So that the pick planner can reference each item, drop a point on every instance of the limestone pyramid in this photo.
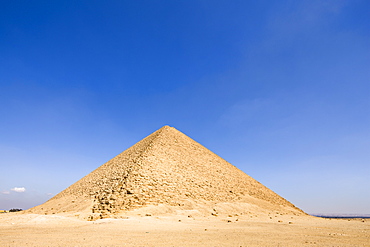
(165, 168)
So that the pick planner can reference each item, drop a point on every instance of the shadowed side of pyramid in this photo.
(167, 167)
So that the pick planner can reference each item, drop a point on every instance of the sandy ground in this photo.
(246, 230)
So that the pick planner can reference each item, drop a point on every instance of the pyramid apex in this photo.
(167, 127)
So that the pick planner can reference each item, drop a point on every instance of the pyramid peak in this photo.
(167, 127)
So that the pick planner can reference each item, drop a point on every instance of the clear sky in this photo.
(280, 89)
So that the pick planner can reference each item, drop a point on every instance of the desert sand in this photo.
(169, 190)
(180, 230)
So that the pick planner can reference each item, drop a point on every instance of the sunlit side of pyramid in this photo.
(165, 168)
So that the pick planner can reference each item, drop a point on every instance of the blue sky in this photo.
(279, 89)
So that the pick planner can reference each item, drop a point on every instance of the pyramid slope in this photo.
(167, 167)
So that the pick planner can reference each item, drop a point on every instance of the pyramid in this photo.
(165, 168)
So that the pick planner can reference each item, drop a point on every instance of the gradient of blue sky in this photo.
(278, 88)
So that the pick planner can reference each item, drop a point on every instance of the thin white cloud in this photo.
(254, 110)
(18, 189)
(5, 192)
